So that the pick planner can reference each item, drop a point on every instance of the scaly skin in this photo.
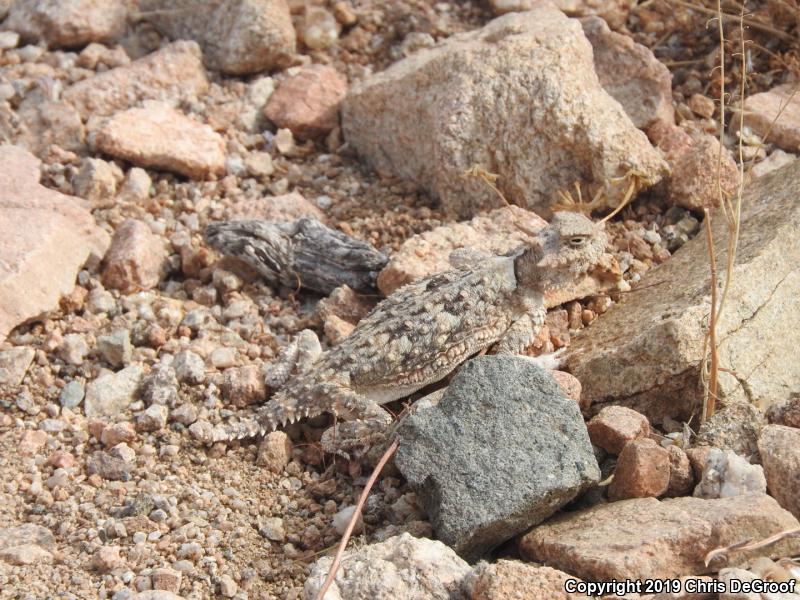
(426, 329)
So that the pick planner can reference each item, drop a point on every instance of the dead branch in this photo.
(303, 250)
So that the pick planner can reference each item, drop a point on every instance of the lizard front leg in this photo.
(520, 334)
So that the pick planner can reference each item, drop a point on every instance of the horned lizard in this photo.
(425, 330)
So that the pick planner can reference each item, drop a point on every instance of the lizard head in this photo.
(569, 246)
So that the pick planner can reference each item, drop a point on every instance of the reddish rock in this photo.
(779, 447)
(670, 139)
(693, 162)
(61, 459)
(558, 325)
(694, 184)
(702, 106)
(45, 238)
(160, 137)
(514, 580)
(67, 23)
(341, 311)
(117, 433)
(166, 579)
(681, 477)
(106, 559)
(631, 74)
(643, 470)
(286, 207)
(173, 74)
(32, 441)
(698, 457)
(762, 109)
(615, 426)
(274, 451)
(647, 538)
(308, 103)
(243, 385)
(569, 385)
(135, 260)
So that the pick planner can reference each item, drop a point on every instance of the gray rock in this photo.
(645, 353)
(108, 467)
(160, 386)
(111, 394)
(501, 452)
(735, 427)
(26, 544)
(26, 403)
(14, 363)
(727, 474)
(238, 37)
(185, 414)
(400, 567)
(465, 116)
(189, 367)
(71, 394)
(67, 23)
(116, 348)
(154, 418)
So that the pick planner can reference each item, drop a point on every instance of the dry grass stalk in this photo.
(722, 552)
(354, 519)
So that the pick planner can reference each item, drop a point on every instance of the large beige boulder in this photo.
(519, 98)
(646, 352)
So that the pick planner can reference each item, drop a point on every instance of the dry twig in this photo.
(354, 519)
(723, 551)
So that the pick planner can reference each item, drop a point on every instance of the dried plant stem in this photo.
(354, 519)
(723, 15)
(745, 545)
(711, 382)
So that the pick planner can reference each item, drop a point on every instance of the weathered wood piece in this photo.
(302, 252)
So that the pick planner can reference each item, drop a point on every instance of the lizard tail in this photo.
(278, 412)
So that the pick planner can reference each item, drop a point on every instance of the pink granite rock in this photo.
(615, 426)
(647, 538)
(173, 74)
(135, 260)
(45, 238)
(642, 470)
(159, 137)
(308, 103)
(631, 74)
(761, 110)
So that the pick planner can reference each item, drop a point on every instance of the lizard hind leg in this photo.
(365, 422)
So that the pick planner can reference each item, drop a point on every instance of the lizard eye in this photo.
(577, 241)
